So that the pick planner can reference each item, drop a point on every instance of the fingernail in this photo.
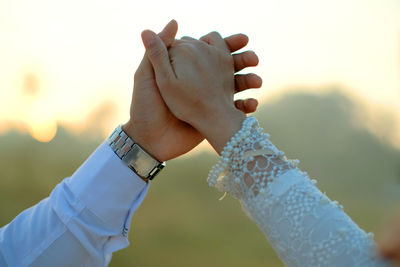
(148, 37)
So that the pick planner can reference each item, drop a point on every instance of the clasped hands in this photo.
(183, 92)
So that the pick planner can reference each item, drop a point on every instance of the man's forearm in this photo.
(86, 217)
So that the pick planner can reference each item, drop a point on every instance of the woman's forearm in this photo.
(303, 225)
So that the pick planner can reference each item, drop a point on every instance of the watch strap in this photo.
(135, 157)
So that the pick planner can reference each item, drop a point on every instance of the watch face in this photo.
(140, 161)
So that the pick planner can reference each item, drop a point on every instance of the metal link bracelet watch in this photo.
(135, 157)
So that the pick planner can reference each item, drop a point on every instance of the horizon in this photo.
(382, 123)
(62, 61)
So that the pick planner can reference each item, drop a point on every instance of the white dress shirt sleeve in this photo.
(83, 221)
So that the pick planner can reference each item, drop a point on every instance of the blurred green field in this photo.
(182, 222)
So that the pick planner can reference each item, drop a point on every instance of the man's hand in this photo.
(153, 126)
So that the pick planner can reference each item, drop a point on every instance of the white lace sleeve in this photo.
(303, 225)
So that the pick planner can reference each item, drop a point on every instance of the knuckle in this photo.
(202, 45)
(205, 38)
(242, 82)
(183, 47)
(247, 80)
(187, 46)
(243, 60)
(228, 58)
(190, 49)
(177, 43)
(215, 34)
(239, 60)
(199, 47)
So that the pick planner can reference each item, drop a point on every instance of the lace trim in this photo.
(303, 225)
(249, 162)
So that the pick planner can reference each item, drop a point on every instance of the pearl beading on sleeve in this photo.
(303, 225)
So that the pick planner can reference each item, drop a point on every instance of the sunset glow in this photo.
(61, 60)
(43, 131)
(42, 124)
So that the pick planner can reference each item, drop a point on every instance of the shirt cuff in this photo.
(108, 188)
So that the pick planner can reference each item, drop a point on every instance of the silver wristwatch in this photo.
(135, 157)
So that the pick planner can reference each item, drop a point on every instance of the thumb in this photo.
(158, 55)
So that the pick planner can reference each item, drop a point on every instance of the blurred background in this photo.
(330, 97)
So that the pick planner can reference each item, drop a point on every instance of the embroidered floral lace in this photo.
(303, 225)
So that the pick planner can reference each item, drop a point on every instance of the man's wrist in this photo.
(139, 138)
(133, 155)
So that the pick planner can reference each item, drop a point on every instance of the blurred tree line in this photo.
(182, 223)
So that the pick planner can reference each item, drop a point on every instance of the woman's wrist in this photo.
(219, 128)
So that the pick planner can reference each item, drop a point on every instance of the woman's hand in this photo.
(196, 80)
(151, 123)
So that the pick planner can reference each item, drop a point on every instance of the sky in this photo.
(61, 60)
